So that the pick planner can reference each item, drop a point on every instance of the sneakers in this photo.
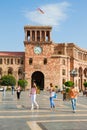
(52, 108)
(74, 111)
(32, 108)
(37, 107)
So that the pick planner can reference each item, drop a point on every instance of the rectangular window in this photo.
(11, 61)
(22, 61)
(18, 61)
(63, 72)
(45, 61)
(30, 61)
(63, 81)
(0, 60)
(7, 61)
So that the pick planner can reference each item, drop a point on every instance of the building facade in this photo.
(44, 61)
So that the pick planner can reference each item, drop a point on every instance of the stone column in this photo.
(26, 39)
(35, 36)
(49, 36)
(30, 35)
(40, 36)
(45, 36)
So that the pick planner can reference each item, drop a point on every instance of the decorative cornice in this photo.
(37, 27)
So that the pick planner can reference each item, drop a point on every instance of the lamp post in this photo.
(73, 73)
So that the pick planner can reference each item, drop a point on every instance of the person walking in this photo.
(4, 90)
(33, 96)
(18, 91)
(52, 94)
(73, 93)
(12, 90)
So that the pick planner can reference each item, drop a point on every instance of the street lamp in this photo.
(73, 73)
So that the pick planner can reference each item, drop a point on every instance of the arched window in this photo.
(28, 35)
(85, 72)
(8, 61)
(20, 73)
(38, 35)
(10, 70)
(0, 73)
(80, 71)
(43, 36)
(33, 35)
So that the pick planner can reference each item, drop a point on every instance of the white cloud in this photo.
(54, 14)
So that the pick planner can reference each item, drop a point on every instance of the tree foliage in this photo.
(68, 83)
(23, 83)
(85, 84)
(8, 80)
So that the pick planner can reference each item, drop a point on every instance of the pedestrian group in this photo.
(73, 94)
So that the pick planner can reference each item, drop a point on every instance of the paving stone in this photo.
(17, 115)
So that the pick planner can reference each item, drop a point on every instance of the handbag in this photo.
(37, 90)
(55, 95)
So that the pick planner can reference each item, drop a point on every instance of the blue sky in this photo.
(68, 19)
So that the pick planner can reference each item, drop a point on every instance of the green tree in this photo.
(85, 84)
(8, 80)
(68, 83)
(23, 83)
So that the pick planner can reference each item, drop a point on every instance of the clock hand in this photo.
(38, 51)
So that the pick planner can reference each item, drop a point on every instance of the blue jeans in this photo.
(52, 104)
(73, 101)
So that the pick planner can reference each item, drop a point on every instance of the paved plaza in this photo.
(17, 114)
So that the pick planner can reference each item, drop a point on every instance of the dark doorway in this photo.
(38, 78)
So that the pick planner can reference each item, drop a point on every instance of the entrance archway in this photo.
(38, 78)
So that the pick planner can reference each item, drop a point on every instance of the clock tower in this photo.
(38, 48)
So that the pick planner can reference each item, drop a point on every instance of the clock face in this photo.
(37, 50)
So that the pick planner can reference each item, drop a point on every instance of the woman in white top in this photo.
(33, 96)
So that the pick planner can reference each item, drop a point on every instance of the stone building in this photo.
(44, 61)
